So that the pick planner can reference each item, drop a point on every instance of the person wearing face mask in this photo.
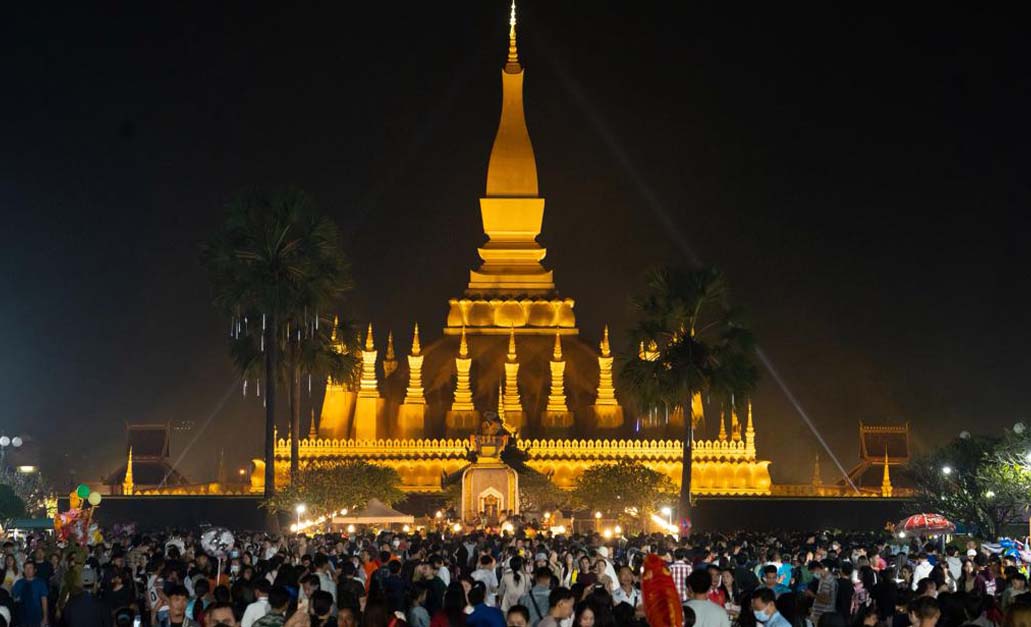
(765, 609)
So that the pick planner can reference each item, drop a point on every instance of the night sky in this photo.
(861, 178)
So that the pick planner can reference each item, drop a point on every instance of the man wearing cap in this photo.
(83, 608)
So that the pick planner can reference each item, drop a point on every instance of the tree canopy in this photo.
(623, 489)
(11, 505)
(982, 482)
(325, 486)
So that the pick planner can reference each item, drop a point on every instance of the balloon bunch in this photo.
(77, 524)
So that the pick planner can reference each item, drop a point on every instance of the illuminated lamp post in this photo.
(5, 443)
(300, 509)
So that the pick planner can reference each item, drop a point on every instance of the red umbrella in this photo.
(926, 523)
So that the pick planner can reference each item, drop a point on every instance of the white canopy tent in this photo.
(375, 512)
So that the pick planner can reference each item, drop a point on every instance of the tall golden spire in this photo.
(606, 350)
(313, 433)
(557, 353)
(723, 419)
(369, 345)
(127, 485)
(416, 347)
(463, 345)
(463, 392)
(414, 395)
(511, 357)
(513, 53)
(886, 487)
(389, 359)
(512, 209)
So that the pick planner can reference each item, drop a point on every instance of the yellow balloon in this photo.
(94, 498)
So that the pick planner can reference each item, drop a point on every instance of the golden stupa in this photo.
(510, 339)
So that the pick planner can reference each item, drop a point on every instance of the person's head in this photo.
(585, 616)
(763, 604)
(279, 599)
(1019, 581)
(310, 583)
(262, 588)
(321, 604)
(680, 554)
(477, 594)
(689, 616)
(727, 577)
(346, 617)
(560, 603)
(769, 575)
(866, 616)
(714, 574)
(177, 598)
(486, 562)
(220, 614)
(542, 576)
(518, 616)
(926, 588)
(202, 587)
(29, 569)
(625, 576)
(923, 611)
(699, 581)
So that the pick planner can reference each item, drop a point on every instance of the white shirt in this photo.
(490, 580)
(922, 570)
(708, 614)
(619, 595)
(444, 574)
(255, 611)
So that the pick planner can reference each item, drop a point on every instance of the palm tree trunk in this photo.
(271, 365)
(295, 419)
(684, 504)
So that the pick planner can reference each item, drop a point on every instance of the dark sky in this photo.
(861, 177)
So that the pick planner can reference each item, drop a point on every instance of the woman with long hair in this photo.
(514, 584)
(9, 574)
(452, 614)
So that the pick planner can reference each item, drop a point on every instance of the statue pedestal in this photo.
(608, 416)
(490, 488)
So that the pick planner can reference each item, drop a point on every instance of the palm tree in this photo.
(273, 264)
(687, 343)
(322, 348)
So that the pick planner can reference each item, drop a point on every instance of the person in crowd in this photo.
(517, 616)
(764, 608)
(560, 608)
(259, 607)
(514, 584)
(483, 614)
(175, 614)
(30, 596)
(924, 611)
(707, 613)
(278, 604)
(680, 570)
(83, 608)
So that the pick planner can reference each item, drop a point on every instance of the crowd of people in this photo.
(503, 580)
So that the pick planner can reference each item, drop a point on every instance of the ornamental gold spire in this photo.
(333, 332)
(513, 54)
(512, 209)
(313, 433)
(414, 394)
(511, 384)
(606, 350)
(735, 423)
(817, 475)
(557, 395)
(367, 385)
(463, 345)
(389, 360)
(606, 391)
(886, 487)
(463, 364)
(369, 345)
(127, 484)
(416, 347)
(511, 357)
(723, 419)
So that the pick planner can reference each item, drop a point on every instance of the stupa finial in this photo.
(333, 332)
(463, 345)
(390, 346)
(416, 347)
(606, 350)
(511, 357)
(557, 354)
(369, 345)
(513, 54)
